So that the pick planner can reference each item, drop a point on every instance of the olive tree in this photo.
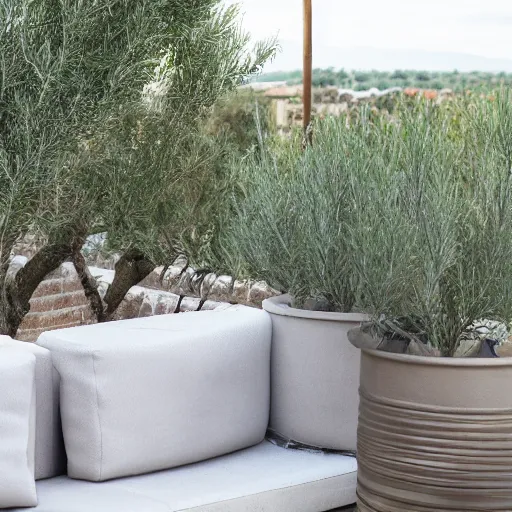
(97, 100)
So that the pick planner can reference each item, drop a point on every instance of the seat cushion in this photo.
(17, 428)
(62, 494)
(141, 397)
(264, 478)
(50, 458)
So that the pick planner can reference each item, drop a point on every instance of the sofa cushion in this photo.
(62, 494)
(141, 397)
(263, 478)
(17, 428)
(50, 459)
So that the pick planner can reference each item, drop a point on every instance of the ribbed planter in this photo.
(314, 375)
(435, 434)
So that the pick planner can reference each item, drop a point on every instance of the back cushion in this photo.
(144, 395)
(50, 459)
(17, 428)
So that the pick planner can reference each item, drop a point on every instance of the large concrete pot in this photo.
(314, 375)
(435, 434)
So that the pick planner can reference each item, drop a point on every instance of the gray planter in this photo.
(435, 434)
(314, 375)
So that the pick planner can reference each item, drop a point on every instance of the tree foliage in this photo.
(238, 118)
(100, 102)
(359, 80)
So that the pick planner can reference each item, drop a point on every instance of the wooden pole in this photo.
(308, 70)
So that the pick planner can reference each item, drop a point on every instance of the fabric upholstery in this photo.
(62, 494)
(17, 428)
(50, 459)
(144, 396)
(264, 478)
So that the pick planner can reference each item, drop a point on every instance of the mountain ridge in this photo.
(384, 59)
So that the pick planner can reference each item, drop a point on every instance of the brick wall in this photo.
(58, 302)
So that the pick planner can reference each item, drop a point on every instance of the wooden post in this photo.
(308, 70)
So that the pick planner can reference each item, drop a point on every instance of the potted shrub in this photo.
(433, 227)
(290, 228)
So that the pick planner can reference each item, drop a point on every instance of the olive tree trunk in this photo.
(18, 286)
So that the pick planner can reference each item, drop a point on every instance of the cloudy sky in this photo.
(470, 27)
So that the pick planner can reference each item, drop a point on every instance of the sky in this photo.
(452, 27)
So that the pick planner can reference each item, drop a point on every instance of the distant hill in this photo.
(385, 59)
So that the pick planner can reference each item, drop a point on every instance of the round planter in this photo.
(314, 375)
(435, 434)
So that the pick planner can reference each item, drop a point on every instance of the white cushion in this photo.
(62, 494)
(50, 459)
(17, 428)
(140, 397)
(263, 478)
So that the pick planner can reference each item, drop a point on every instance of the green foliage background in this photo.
(363, 80)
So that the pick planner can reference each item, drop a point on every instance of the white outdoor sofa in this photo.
(161, 414)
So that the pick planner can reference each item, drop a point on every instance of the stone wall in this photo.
(182, 280)
(60, 302)
(178, 279)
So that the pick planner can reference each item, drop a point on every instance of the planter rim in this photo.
(441, 361)
(280, 305)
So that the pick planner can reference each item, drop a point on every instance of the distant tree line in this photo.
(363, 80)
